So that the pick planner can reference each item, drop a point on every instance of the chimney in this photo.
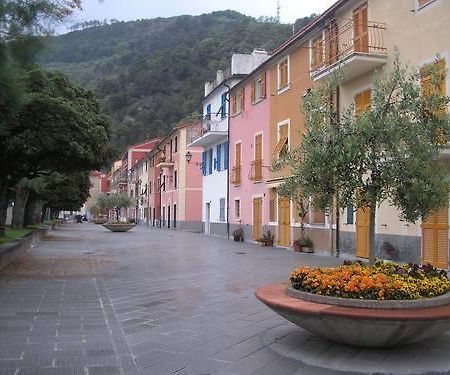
(219, 77)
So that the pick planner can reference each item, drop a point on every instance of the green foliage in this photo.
(149, 74)
(114, 202)
(13, 234)
(66, 192)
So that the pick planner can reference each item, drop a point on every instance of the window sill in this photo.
(258, 101)
(283, 89)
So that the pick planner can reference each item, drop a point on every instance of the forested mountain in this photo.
(149, 74)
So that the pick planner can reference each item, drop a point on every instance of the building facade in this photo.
(212, 136)
(179, 181)
(362, 37)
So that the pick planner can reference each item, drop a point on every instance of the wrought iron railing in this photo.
(342, 41)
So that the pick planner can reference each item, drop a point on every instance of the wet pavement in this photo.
(151, 301)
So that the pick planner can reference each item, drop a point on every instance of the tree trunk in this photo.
(3, 207)
(372, 242)
(20, 203)
(33, 214)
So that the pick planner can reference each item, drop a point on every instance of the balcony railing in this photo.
(256, 170)
(236, 175)
(343, 41)
(214, 126)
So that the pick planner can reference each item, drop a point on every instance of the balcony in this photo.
(256, 170)
(163, 162)
(236, 175)
(356, 47)
(209, 132)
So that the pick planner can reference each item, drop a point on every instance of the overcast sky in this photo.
(125, 10)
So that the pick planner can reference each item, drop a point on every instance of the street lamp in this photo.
(188, 156)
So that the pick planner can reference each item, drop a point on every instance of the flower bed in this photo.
(383, 281)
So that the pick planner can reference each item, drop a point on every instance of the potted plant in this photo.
(267, 238)
(304, 245)
(238, 235)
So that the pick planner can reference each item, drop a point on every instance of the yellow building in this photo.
(361, 37)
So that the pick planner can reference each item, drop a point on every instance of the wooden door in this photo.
(284, 221)
(257, 218)
(361, 29)
(435, 239)
(362, 232)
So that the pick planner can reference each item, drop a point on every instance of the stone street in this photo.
(88, 301)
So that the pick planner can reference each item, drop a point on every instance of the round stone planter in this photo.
(99, 221)
(119, 227)
(377, 324)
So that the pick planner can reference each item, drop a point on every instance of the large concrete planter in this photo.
(99, 221)
(376, 324)
(119, 227)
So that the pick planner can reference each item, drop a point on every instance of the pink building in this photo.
(176, 181)
(250, 154)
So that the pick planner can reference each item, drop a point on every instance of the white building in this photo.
(213, 137)
(138, 186)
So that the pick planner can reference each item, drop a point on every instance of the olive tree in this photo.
(388, 153)
(115, 202)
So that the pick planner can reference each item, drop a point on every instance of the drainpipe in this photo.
(228, 166)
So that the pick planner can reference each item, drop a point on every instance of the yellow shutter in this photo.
(238, 154)
(360, 29)
(435, 239)
(362, 232)
(363, 102)
(257, 218)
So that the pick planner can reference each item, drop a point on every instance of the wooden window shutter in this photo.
(233, 104)
(360, 29)
(263, 85)
(242, 99)
(253, 91)
(363, 102)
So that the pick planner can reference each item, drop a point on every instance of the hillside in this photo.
(149, 74)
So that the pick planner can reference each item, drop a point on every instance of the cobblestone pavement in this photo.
(87, 301)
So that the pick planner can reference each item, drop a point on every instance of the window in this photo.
(236, 171)
(174, 215)
(204, 156)
(223, 105)
(259, 88)
(225, 156)
(282, 146)
(317, 52)
(210, 161)
(361, 29)
(283, 73)
(363, 102)
(222, 209)
(435, 89)
(164, 183)
(176, 144)
(219, 158)
(257, 162)
(208, 112)
(150, 187)
(272, 205)
(237, 101)
(175, 179)
(350, 214)
(146, 165)
(237, 209)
